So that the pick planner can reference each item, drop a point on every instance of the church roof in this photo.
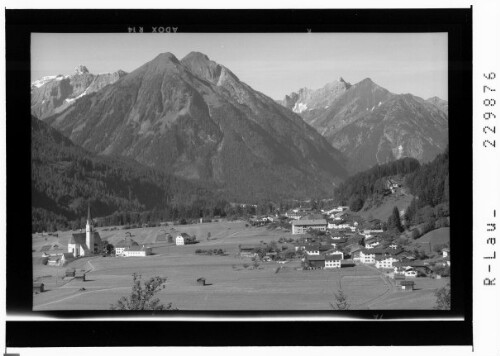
(78, 238)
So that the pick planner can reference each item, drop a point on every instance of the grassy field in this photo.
(231, 286)
(436, 237)
(383, 211)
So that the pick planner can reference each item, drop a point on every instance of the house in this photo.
(38, 287)
(367, 256)
(335, 252)
(314, 262)
(338, 225)
(446, 252)
(333, 261)
(124, 244)
(301, 226)
(66, 257)
(54, 260)
(393, 246)
(410, 273)
(85, 243)
(407, 285)
(179, 240)
(385, 261)
(137, 251)
(312, 249)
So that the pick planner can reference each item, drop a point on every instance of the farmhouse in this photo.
(87, 243)
(385, 261)
(312, 249)
(367, 256)
(137, 251)
(54, 260)
(407, 285)
(333, 261)
(123, 245)
(446, 252)
(315, 262)
(179, 240)
(301, 226)
(182, 239)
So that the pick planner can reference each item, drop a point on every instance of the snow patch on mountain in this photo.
(299, 107)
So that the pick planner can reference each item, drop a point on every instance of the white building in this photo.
(179, 240)
(333, 261)
(301, 226)
(123, 245)
(385, 262)
(137, 251)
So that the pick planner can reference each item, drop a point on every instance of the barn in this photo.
(38, 287)
(407, 285)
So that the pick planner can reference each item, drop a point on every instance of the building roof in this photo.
(373, 251)
(407, 283)
(136, 248)
(315, 258)
(381, 258)
(80, 238)
(334, 257)
(248, 247)
(309, 222)
(126, 243)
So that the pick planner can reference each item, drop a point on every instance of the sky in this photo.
(274, 64)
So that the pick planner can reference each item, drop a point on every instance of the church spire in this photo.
(89, 217)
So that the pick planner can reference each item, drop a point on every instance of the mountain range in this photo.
(371, 125)
(193, 118)
(53, 94)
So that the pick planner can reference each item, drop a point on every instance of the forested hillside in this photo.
(65, 177)
(358, 188)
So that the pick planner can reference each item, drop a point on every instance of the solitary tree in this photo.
(443, 298)
(341, 302)
(142, 296)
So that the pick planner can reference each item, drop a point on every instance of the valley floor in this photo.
(230, 286)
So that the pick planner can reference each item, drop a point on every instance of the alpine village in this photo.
(180, 179)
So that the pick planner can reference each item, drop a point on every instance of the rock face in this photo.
(370, 125)
(51, 95)
(309, 103)
(440, 103)
(196, 119)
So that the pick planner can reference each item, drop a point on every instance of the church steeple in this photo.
(89, 217)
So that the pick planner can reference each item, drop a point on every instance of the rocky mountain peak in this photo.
(167, 56)
(81, 69)
(200, 65)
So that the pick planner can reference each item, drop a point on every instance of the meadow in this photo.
(233, 283)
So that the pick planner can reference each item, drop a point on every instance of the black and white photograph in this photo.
(179, 171)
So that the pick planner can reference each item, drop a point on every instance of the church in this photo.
(85, 243)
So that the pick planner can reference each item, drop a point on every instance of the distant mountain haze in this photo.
(195, 119)
(371, 125)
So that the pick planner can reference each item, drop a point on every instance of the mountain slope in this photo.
(51, 95)
(403, 126)
(196, 119)
(370, 125)
(64, 177)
